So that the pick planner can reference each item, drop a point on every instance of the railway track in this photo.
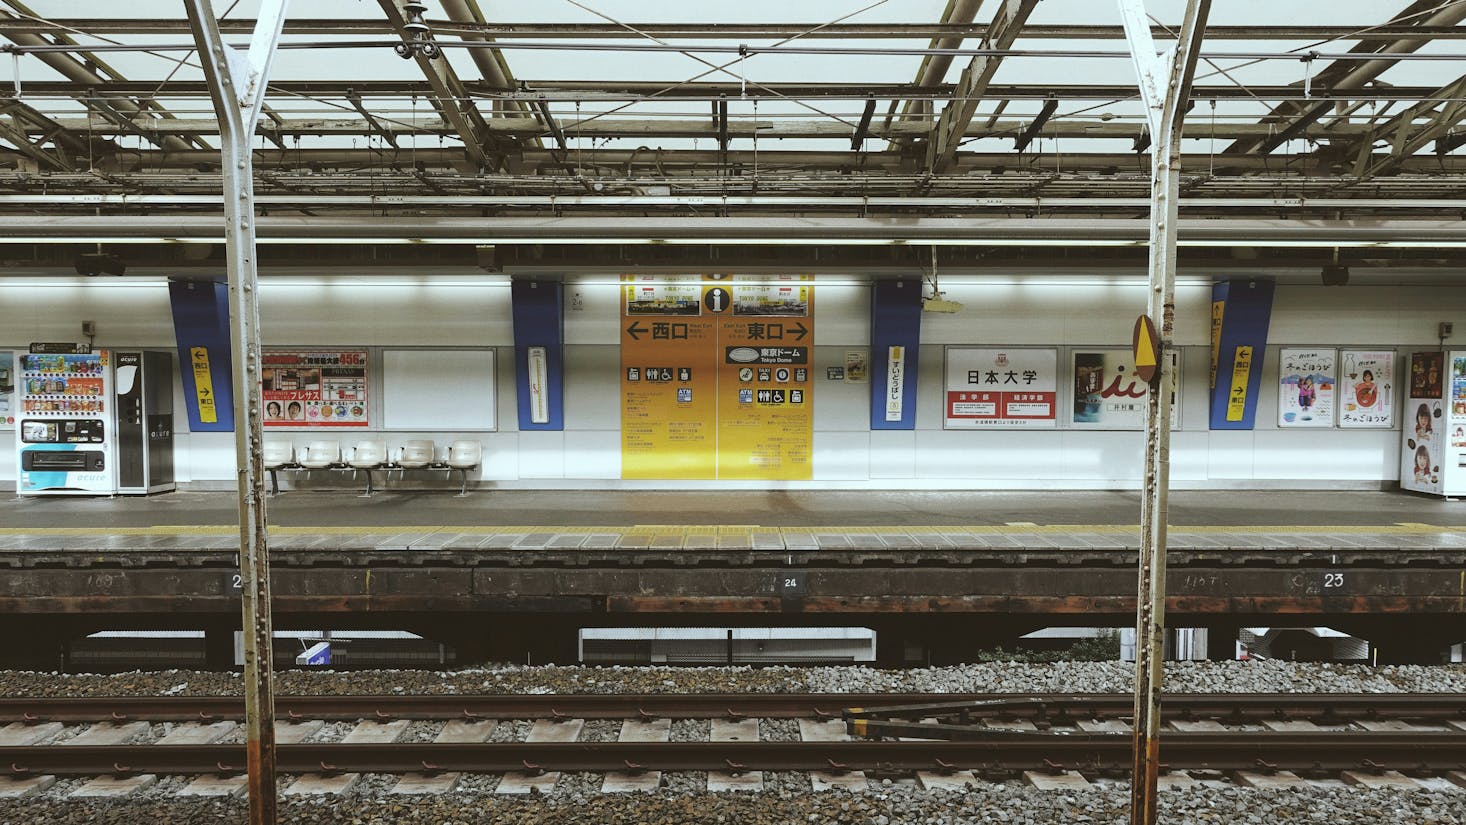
(996, 753)
(1043, 709)
(981, 735)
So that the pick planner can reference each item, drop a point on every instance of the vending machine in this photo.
(1433, 425)
(144, 386)
(64, 443)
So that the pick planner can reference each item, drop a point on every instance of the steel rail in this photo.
(996, 751)
(1239, 707)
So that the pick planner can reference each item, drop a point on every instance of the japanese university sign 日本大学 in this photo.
(990, 387)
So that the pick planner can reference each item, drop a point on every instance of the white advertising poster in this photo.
(1001, 387)
(1108, 395)
(1367, 388)
(7, 390)
(1306, 387)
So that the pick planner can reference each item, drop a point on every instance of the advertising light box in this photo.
(1109, 395)
(1306, 387)
(1001, 387)
(315, 388)
(1368, 388)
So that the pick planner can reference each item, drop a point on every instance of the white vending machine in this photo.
(1433, 424)
(65, 436)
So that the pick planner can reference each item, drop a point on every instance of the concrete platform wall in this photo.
(371, 311)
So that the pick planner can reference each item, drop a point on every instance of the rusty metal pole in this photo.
(1165, 86)
(237, 85)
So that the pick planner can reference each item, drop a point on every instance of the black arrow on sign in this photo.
(800, 329)
(635, 330)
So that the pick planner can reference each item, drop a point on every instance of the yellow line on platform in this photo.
(1399, 528)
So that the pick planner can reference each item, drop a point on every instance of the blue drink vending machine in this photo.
(64, 441)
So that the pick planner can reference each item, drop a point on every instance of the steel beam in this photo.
(617, 228)
(1442, 112)
(490, 62)
(958, 13)
(67, 135)
(82, 68)
(611, 127)
(808, 30)
(374, 126)
(1292, 118)
(237, 83)
(862, 129)
(1115, 203)
(1165, 89)
(1031, 130)
(48, 159)
(449, 95)
(972, 86)
(615, 91)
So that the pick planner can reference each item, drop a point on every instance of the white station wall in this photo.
(342, 312)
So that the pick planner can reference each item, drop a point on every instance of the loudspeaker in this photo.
(1335, 275)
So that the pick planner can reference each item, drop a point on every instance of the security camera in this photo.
(99, 263)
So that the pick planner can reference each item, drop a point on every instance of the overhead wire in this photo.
(742, 55)
(1293, 52)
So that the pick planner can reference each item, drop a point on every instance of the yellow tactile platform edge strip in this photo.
(1399, 528)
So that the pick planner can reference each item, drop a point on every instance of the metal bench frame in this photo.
(388, 466)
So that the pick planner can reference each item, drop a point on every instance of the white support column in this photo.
(237, 85)
(1165, 86)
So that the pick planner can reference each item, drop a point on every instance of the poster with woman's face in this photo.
(1367, 389)
(316, 388)
(1423, 425)
(1424, 443)
(1306, 384)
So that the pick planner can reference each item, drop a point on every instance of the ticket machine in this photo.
(64, 441)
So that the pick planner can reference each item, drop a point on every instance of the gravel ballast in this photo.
(989, 677)
(983, 805)
(786, 796)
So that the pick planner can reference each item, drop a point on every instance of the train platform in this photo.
(144, 520)
(927, 567)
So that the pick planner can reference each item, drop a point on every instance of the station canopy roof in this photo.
(1329, 110)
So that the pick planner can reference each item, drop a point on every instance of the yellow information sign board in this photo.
(716, 378)
(203, 384)
(1241, 371)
